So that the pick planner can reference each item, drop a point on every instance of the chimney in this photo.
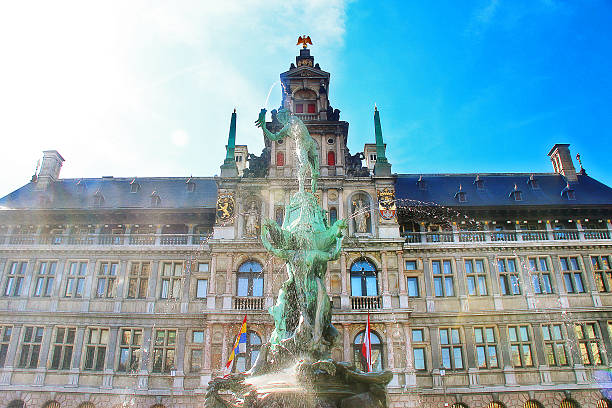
(562, 161)
(50, 168)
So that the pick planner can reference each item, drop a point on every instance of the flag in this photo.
(239, 347)
(366, 347)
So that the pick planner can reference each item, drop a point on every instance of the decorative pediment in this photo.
(305, 71)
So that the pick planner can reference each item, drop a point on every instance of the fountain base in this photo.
(320, 384)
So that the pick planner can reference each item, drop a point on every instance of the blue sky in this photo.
(146, 88)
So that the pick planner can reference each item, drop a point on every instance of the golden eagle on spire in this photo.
(304, 40)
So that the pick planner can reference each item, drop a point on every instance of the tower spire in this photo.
(229, 168)
(382, 166)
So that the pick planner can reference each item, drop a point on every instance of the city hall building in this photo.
(483, 290)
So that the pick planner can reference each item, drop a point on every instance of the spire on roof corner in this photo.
(229, 168)
(382, 166)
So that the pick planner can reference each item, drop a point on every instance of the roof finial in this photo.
(375, 108)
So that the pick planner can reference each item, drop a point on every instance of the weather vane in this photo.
(304, 40)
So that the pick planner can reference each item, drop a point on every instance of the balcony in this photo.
(248, 303)
(506, 236)
(104, 239)
(439, 236)
(568, 235)
(596, 234)
(307, 116)
(366, 302)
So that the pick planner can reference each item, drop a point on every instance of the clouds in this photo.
(122, 87)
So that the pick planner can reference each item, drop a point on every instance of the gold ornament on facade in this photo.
(386, 203)
(226, 205)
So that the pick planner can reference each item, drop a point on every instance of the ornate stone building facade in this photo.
(484, 290)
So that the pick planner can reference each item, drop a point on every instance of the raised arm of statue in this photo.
(261, 122)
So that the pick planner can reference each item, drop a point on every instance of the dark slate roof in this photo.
(441, 189)
(66, 193)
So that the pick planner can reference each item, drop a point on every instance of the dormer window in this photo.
(81, 187)
(460, 195)
(238, 159)
(372, 157)
(568, 192)
(134, 186)
(422, 184)
(516, 194)
(98, 199)
(533, 183)
(479, 183)
(190, 186)
(44, 201)
(155, 199)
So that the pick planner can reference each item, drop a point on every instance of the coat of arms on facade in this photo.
(386, 203)
(226, 205)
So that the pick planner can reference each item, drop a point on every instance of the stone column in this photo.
(579, 370)
(158, 232)
(190, 240)
(403, 287)
(224, 346)
(206, 372)
(6, 373)
(504, 346)
(557, 276)
(470, 355)
(436, 362)
(227, 296)
(346, 338)
(526, 278)
(540, 353)
(146, 362)
(73, 376)
(152, 285)
(410, 371)
(580, 230)
(386, 296)
(461, 280)
(212, 284)
(429, 290)
(344, 295)
(109, 366)
(179, 374)
(122, 285)
(128, 232)
(495, 289)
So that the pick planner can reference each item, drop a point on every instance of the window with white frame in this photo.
(138, 282)
(589, 342)
(451, 348)
(107, 278)
(96, 342)
(476, 277)
(75, 281)
(130, 350)
(201, 288)
(602, 273)
(508, 277)
(443, 277)
(45, 276)
(171, 277)
(520, 346)
(164, 351)
(419, 347)
(554, 345)
(486, 347)
(30, 346)
(5, 340)
(540, 275)
(14, 278)
(196, 351)
(572, 275)
(63, 344)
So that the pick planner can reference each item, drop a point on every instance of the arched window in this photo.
(305, 101)
(569, 403)
(20, 404)
(280, 159)
(333, 215)
(331, 158)
(459, 405)
(532, 404)
(51, 404)
(377, 352)
(495, 404)
(250, 279)
(363, 279)
(603, 403)
(87, 405)
(244, 361)
(158, 406)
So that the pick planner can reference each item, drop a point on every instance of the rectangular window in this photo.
(201, 288)
(14, 278)
(95, 348)
(129, 350)
(418, 349)
(603, 273)
(443, 278)
(572, 275)
(171, 275)
(413, 286)
(5, 340)
(203, 267)
(411, 265)
(520, 346)
(139, 280)
(452, 349)
(164, 351)
(45, 276)
(299, 108)
(30, 346)
(540, 276)
(554, 345)
(63, 344)
(508, 277)
(75, 282)
(476, 277)
(107, 277)
(311, 108)
(589, 342)
(486, 347)
(196, 353)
